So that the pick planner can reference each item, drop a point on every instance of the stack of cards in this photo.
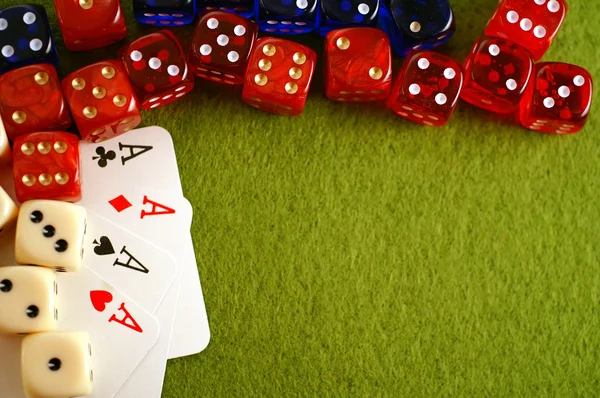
(139, 268)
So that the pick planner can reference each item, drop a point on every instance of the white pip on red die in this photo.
(558, 100)
(27, 299)
(57, 365)
(221, 47)
(50, 234)
(157, 68)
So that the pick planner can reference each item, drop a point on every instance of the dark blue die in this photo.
(286, 17)
(25, 37)
(336, 14)
(416, 24)
(164, 12)
(244, 8)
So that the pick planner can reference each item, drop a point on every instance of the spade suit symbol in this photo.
(104, 247)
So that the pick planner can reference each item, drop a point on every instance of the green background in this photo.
(351, 252)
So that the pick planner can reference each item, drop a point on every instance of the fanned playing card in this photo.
(146, 158)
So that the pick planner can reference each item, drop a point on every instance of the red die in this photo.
(358, 65)
(90, 24)
(157, 69)
(558, 100)
(427, 88)
(46, 166)
(101, 101)
(31, 100)
(221, 47)
(532, 24)
(279, 76)
(496, 75)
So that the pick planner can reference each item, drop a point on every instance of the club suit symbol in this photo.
(104, 246)
(104, 156)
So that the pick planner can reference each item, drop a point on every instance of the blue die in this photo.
(244, 8)
(416, 24)
(164, 12)
(25, 37)
(286, 17)
(336, 14)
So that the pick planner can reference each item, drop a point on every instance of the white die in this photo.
(8, 212)
(50, 233)
(57, 365)
(5, 153)
(27, 299)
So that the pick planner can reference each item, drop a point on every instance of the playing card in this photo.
(121, 333)
(143, 156)
(146, 157)
(131, 264)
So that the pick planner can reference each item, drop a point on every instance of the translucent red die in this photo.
(558, 100)
(497, 72)
(279, 76)
(47, 166)
(532, 24)
(90, 24)
(31, 100)
(357, 65)
(157, 68)
(427, 88)
(221, 47)
(102, 101)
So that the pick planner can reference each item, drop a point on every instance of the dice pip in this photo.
(497, 72)
(164, 12)
(50, 234)
(90, 24)
(57, 364)
(27, 299)
(102, 101)
(427, 88)
(25, 37)
(357, 65)
(221, 47)
(47, 166)
(558, 100)
(290, 17)
(157, 69)
(279, 76)
(31, 100)
(417, 24)
(8, 212)
(531, 24)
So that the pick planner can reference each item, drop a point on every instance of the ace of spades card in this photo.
(146, 158)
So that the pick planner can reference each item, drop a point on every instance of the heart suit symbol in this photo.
(100, 298)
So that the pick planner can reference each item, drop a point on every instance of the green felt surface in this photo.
(349, 252)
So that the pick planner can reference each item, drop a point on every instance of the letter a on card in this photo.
(155, 205)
